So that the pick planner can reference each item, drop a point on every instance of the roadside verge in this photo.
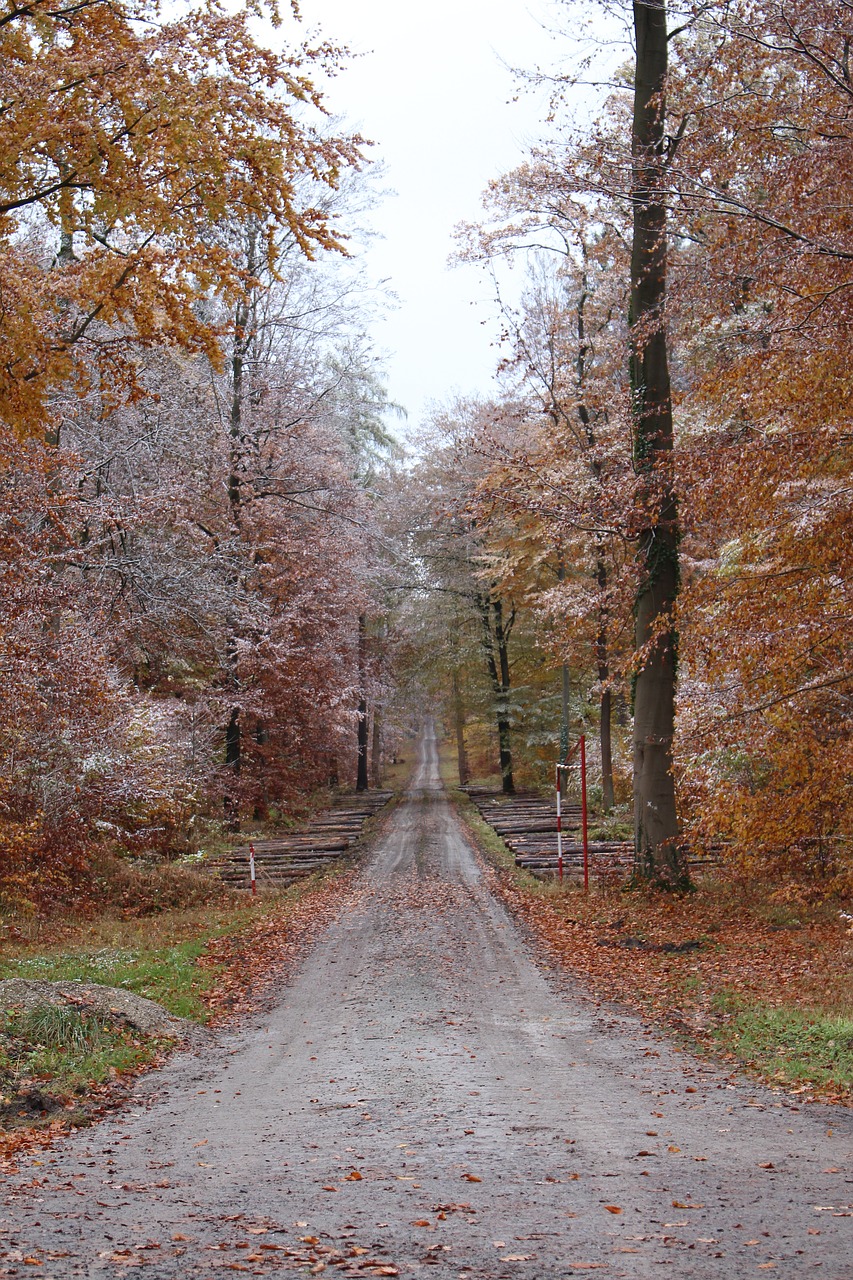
(763, 986)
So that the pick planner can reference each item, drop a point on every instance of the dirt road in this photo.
(422, 1099)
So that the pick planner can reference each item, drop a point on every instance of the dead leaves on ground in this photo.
(248, 961)
(743, 955)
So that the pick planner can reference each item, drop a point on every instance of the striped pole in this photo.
(252, 869)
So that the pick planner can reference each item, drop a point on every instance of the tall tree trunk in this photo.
(603, 665)
(495, 645)
(565, 679)
(657, 855)
(459, 723)
(230, 802)
(362, 782)
(233, 735)
(376, 747)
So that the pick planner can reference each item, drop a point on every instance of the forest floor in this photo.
(417, 1092)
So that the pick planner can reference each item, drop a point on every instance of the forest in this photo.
(232, 580)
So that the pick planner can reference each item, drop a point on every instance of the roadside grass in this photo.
(787, 1045)
(736, 973)
(152, 956)
(66, 1048)
(198, 963)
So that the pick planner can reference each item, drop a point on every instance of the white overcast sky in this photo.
(433, 90)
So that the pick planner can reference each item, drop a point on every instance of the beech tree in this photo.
(130, 133)
(566, 473)
(762, 315)
(655, 817)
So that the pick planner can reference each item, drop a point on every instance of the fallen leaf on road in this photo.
(613, 1208)
(421, 1222)
(330, 1188)
(355, 1176)
(471, 1177)
(766, 1266)
(518, 1257)
(674, 1150)
(767, 1164)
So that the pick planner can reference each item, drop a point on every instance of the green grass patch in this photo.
(170, 975)
(153, 957)
(65, 1050)
(790, 1046)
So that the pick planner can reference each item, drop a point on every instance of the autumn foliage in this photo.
(753, 187)
(188, 422)
(132, 134)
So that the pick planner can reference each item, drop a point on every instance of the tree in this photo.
(762, 287)
(655, 816)
(127, 136)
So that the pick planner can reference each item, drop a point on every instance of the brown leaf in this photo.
(613, 1208)
(471, 1177)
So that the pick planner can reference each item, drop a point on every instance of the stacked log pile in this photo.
(284, 859)
(527, 824)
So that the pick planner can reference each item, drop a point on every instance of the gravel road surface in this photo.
(422, 1099)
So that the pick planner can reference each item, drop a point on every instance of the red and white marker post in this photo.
(252, 869)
